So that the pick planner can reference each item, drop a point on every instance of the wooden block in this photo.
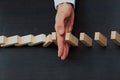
(71, 39)
(115, 36)
(39, 39)
(85, 39)
(100, 39)
(24, 40)
(10, 41)
(54, 37)
(48, 41)
(3, 40)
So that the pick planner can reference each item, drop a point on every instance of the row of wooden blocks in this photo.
(32, 40)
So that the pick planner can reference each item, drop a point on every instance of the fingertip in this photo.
(66, 52)
(62, 58)
(60, 51)
(59, 54)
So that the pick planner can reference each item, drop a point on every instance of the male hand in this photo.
(64, 23)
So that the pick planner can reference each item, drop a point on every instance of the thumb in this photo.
(60, 25)
(60, 28)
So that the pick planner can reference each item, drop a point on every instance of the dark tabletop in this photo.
(22, 17)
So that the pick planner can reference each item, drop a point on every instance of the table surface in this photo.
(24, 17)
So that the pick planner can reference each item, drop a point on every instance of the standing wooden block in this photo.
(71, 39)
(48, 41)
(100, 39)
(10, 41)
(24, 40)
(54, 37)
(115, 36)
(38, 39)
(3, 40)
(85, 39)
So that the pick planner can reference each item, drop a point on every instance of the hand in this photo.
(64, 23)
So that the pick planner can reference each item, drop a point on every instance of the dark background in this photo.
(24, 17)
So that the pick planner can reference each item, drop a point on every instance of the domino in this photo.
(71, 39)
(3, 40)
(10, 41)
(115, 36)
(54, 38)
(100, 39)
(85, 39)
(24, 40)
(39, 39)
(48, 41)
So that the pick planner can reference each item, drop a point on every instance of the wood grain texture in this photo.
(100, 39)
(38, 39)
(115, 37)
(48, 41)
(54, 37)
(25, 40)
(3, 40)
(10, 41)
(71, 39)
(85, 39)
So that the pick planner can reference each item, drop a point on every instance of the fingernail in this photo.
(62, 58)
(61, 32)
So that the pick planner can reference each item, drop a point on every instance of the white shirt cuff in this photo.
(57, 2)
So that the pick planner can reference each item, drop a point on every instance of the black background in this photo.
(24, 17)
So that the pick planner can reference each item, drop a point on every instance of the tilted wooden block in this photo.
(38, 39)
(71, 39)
(48, 41)
(100, 39)
(3, 40)
(85, 39)
(115, 36)
(11, 41)
(24, 40)
(54, 37)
